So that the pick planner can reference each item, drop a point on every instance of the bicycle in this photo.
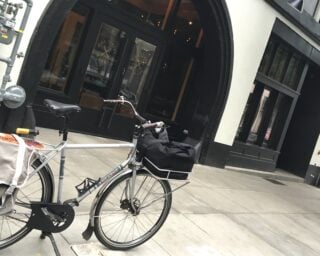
(130, 207)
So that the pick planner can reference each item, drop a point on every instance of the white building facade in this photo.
(241, 76)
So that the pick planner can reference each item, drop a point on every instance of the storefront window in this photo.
(62, 56)
(282, 65)
(277, 121)
(269, 103)
(252, 138)
(264, 117)
(279, 63)
(268, 57)
(294, 71)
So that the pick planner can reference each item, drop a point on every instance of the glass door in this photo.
(119, 63)
(103, 65)
(97, 56)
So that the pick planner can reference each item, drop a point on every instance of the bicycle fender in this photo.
(38, 162)
(100, 193)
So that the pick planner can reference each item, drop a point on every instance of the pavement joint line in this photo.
(194, 223)
(264, 174)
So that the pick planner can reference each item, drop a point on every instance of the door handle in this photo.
(123, 72)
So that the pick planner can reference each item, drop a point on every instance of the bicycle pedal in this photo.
(85, 185)
(72, 202)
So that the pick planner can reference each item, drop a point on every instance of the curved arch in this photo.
(217, 27)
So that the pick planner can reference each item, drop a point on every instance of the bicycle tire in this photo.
(146, 186)
(38, 188)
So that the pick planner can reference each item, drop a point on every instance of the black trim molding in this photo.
(296, 41)
(252, 157)
(303, 20)
(217, 155)
(312, 175)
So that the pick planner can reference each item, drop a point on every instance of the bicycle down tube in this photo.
(63, 147)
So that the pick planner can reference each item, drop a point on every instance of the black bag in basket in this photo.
(164, 158)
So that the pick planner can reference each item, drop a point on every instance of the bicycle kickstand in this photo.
(53, 242)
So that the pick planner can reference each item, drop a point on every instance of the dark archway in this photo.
(216, 24)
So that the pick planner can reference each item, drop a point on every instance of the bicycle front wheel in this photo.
(13, 226)
(121, 223)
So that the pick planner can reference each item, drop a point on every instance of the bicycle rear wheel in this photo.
(13, 226)
(119, 225)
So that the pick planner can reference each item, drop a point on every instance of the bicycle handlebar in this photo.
(135, 112)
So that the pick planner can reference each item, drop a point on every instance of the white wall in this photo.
(315, 160)
(251, 30)
(252, 22)
(5, 50)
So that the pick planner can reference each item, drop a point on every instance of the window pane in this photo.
(310, 6)
(63, 53)
(279, 117)
(279, 62)
(267, 57)
(273, 118)
(102, 66)
(294, 71)
(137, 71)
(152, 12)
(259, 115)
(245, 112)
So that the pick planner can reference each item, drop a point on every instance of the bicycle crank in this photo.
(51, 218)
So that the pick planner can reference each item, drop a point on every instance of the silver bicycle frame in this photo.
(48, 153)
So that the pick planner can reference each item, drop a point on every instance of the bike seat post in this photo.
(65, 129)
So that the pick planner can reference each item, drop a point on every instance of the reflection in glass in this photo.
(278, 118)
(57, 70)
(187, 25)
(153, 12)
(137, 70)
(279, 62)
(177, 65)
(259, 115)
(267, 57)
(246, 109)
(102, 66)
(294, 71)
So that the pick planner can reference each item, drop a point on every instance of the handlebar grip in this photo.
(25, 131)
(22, 131)
(153, 125)
(113, 101)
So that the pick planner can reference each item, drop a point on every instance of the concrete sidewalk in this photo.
(221, 213)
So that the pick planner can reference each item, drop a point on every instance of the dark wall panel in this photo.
(304, 128)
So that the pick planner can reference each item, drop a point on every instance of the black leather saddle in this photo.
(61, 109)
